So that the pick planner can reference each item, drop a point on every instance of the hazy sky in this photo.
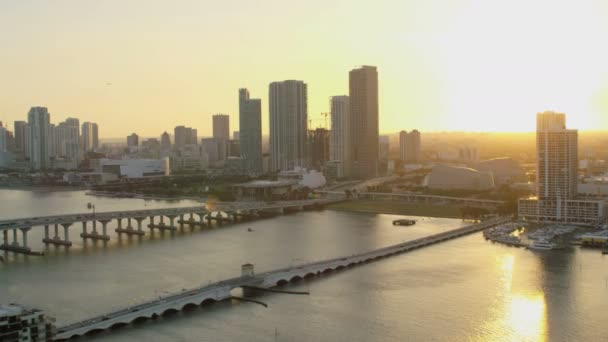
(147, 66)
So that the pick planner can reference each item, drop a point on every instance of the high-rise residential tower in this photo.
(340, 133)
(363, 97)
(288, 124)
(39, 124)
(133, 140)
(250, 132)
(557, 177)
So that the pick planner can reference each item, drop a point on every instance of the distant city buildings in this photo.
(90, 137)
(165, 142)
(409, 146)
(288, 124)
(340, 135)
(132, 141)
(557, 177)
(363, 98)
(250, 132)
(185, 136)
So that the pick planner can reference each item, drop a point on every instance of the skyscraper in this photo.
(557, 177)
(340, 133)
(250, 132)
(221, 133)
(39, 124)
(288, 124)
(409, 146)
(90, 137)
(363, 97)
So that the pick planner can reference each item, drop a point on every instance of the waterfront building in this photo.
(250, 132)
(211, 146)
(340, 133)
(39, 127)
(363, 100)
(19, 323)
(190, 158)
(66, 144)
(288, 124)
(557, 177)
(409, 146)
(135, 168)
(383, 147)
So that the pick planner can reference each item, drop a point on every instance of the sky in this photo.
(145, 66)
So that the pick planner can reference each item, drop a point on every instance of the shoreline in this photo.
(43, 188)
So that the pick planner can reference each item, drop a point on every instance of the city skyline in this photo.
(435, 73)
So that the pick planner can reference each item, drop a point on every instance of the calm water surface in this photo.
(463, 290)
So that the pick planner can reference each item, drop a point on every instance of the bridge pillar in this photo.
(46, 231)
(171, 220)
(139, 221)
(56, 236)
(15, 242)
(5, 239)
(181, 221)
(151, 225)
(118, 224)
(84, 227)
(104, 226)
(24, 232)
(66, 232)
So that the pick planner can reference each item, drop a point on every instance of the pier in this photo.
(249, 280)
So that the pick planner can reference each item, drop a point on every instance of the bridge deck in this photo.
(269, 278)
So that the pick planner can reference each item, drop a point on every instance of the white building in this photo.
(288, 124)
(135, 168)
(19, 323)
(557, 177)
(340, 133)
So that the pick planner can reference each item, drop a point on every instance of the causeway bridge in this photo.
(168, 219)
(222, 290)
(415, 198)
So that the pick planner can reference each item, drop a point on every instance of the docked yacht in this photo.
(542, 245)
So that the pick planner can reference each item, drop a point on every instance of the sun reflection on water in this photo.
(523, 316)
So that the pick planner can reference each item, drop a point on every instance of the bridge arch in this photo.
(169, 311)
(295, 278)
(282, 282)
(208, 301)
(189, 306)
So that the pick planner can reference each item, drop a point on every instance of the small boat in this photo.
(542, 245)
(249, 229)
(605, 249)
(404, 222)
